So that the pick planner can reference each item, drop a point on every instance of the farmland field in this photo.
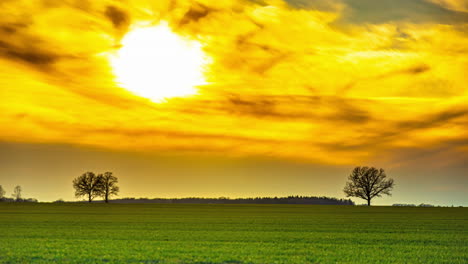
(178, 233)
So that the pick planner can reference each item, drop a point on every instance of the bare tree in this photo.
(17, 193)
(88, 185)
(109, 185)
(2, 192)
(367, 183)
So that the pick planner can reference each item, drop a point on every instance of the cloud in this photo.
(118, 17)
(456, 5)
(195, 13)
(387, 11)
(324, 81)
(27, 54)
(390, 11)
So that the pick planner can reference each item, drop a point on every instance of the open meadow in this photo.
(178, 233)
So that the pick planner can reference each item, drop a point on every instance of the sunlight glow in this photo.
(156, 63)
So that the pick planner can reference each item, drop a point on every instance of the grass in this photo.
(177, 233)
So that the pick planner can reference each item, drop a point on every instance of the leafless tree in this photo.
(109, 185)
(2, 192)
(17, 193)
(367, 183)
(88, 185)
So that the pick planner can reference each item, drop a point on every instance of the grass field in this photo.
(156, 233)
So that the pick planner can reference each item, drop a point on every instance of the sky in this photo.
(235, 98)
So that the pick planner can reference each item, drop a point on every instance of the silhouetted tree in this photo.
(2, 192)
(367, 183)
(17, 193)
(109, 185)
(89, 185)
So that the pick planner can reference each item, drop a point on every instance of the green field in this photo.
(165, 233)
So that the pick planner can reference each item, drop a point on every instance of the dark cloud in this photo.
(30, 55)
(20, 42)
(385, 11)
(434, 120)
(255, 107)
(117, 16)
(300, 108)
(323, 5)
(391, 132)
(418, 69)
(346, 111)
(195, 13)
(444, 154)
(265, 65)
(11, 28)
(204, 139)
(414, 70)
(259, 65)
(457, 5)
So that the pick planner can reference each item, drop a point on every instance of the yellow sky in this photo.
(327, 84)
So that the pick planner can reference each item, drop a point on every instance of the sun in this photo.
(157, 63)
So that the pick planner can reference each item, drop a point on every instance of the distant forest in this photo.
(223, 200)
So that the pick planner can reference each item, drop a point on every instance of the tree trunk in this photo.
(89, 198)
(368, 202)
(107, 198)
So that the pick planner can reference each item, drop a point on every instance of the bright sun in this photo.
(156, 63)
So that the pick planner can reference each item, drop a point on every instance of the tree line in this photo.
(256, 200)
